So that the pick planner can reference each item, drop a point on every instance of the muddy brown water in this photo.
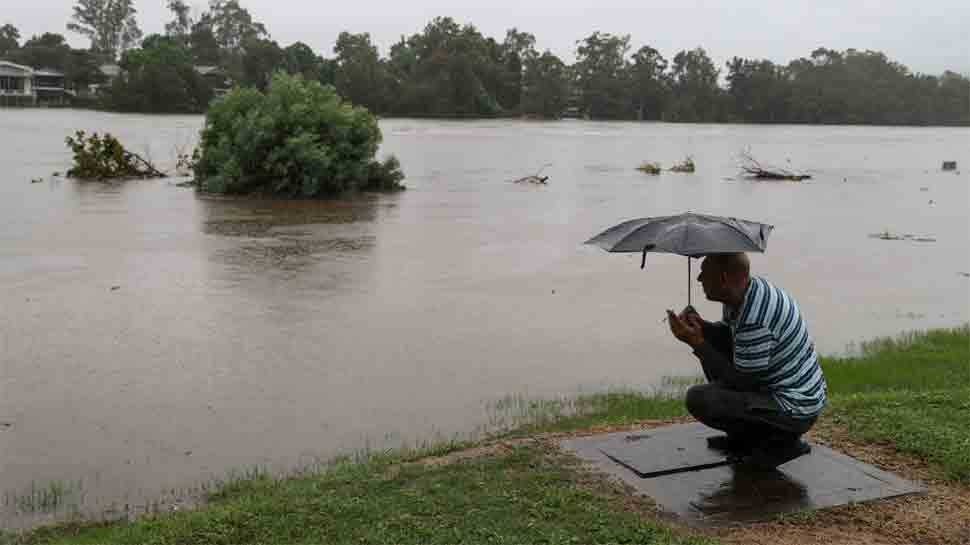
(153, 340)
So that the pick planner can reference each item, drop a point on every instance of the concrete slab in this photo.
(661, 451)
(726, 493)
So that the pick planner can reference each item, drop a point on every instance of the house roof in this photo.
(110, 70)
(206, 70)
(8, 68)
(48, 72)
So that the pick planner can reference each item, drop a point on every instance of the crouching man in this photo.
(765, 386)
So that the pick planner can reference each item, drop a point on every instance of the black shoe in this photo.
(729, 444)
(773, 454)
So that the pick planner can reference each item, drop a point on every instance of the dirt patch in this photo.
(941, 516)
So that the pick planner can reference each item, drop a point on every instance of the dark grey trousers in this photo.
(748, 415)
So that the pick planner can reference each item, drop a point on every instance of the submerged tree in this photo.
(298, 139)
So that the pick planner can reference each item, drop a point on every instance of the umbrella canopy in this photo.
(688, 234)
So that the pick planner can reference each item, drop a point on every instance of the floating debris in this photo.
(98, 157)
(886, 235)
(650, 168)
(534, 178)
(949, 165)
(686, 166)
(964, 274)
(751, 167)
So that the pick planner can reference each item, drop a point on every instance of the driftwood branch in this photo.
(149, 170)
(754, 169)
(534, 178)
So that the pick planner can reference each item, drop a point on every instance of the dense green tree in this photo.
(359, 74)
(45, 51)
(260, 58)
(109, 24)
(696, 95)
(83, 68)
(203, 44)
(9, 39)
(603, 76)
(650, 86)
(545, 90)
(299, 58)
(159, 77)
(299, 139)
(759, 90)
(517, 50)
(953, 106)
(450, 69)
(231, 24)
(454, 74)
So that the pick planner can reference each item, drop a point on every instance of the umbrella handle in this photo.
(647, 248)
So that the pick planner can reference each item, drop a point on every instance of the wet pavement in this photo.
(673, 466)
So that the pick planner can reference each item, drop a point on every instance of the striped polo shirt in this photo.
(772, 343)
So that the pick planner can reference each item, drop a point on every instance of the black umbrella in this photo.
(688, 234)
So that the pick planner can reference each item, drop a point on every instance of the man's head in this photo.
(725, 277)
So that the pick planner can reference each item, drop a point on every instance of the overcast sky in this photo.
(926, 35)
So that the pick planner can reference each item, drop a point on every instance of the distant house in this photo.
(216, 77)
(16, 84)
(25, 86)
(50, 88)
(110, 73)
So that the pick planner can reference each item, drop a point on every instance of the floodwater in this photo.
(152, 340)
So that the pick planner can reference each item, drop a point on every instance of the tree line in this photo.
(452, 70)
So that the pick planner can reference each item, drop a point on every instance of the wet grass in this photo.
(43, 498)
(933, 425)
(517, 497)
(911, 391)
(922, 360)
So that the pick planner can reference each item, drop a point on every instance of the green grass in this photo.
(515, 498)
(912, 392)
(913, 361)
(931, 425)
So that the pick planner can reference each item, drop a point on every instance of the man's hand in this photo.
(686, 327)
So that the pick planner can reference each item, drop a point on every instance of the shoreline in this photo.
(854, 381)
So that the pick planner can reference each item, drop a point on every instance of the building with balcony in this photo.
(16, 85)
(25, 86)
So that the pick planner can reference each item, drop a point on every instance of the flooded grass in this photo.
(51, 497)
(911, 391)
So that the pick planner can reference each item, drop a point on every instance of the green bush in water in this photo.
(299, 139)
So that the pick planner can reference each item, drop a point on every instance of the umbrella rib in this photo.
(746, 235)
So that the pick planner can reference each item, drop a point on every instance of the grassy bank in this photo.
(912, 392)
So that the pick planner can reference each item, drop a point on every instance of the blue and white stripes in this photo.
(772, 344)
